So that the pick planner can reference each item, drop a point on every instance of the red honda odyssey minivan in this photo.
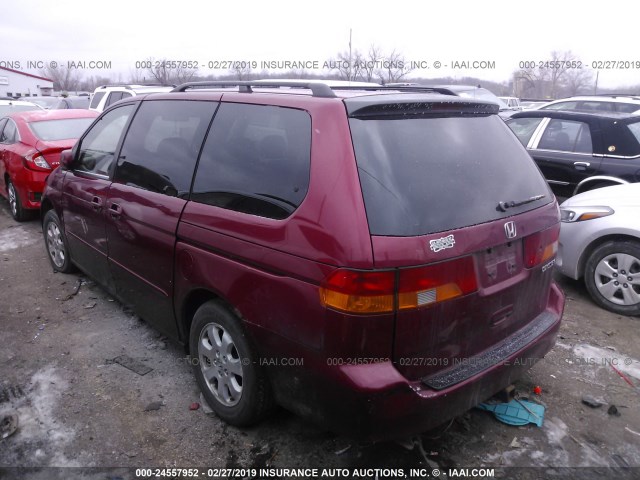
(375, 259)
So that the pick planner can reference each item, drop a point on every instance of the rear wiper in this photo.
(503, 206)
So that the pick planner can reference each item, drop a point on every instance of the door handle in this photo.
(96, 204)
(581, 165)
(115, 210)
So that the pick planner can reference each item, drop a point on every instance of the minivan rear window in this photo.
(428, 174)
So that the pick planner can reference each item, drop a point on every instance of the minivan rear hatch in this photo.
(458, 209)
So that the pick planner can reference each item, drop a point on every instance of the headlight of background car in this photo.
(579, 214)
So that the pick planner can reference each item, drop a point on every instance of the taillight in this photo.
(541, 246)
(436, 283)
(376, 292)
(35, 161)
(359, 292)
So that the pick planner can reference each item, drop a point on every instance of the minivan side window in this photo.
(256, 160)
(97, 148)
(162, 145)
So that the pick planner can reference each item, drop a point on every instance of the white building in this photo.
(14, 83)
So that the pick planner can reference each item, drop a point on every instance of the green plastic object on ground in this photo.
(516, 412)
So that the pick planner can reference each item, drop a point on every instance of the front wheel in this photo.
(227, 368)
(612, 277)
(56, 243)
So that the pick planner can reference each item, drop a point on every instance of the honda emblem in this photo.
(510, 229)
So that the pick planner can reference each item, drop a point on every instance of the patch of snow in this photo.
(555, 429)
(15, 237)
(37, 423)
(604, 358)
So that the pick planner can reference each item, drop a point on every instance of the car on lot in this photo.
(600, 243)
(44, 102)
(375, 260)
(512, 102)
(596, 103)
(10, 106)
(30, 146)
(580, 151)
(480, 93)
(65, 103)
(106, 95)
(532, 104)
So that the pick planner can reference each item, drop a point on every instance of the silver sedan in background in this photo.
(600, 242)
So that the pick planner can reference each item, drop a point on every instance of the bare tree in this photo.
(348, 67)
(372, 63)
(90, 84)
(577, 80)
(241, 71)
(138, 76)
(64, 79)
(168, 72)
(552, 78)
(394, 67)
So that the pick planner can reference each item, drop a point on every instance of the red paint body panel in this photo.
(29, 182)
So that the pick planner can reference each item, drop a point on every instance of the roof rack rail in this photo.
(317, 89)
(403, 88)
(130, 86)
(635, 96)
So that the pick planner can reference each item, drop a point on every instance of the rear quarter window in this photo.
(256, 160)
(433, 174)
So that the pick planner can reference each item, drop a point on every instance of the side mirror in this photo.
(66, 159)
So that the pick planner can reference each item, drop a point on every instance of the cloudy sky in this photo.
(503, 32)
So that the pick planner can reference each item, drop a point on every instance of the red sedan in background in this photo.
(30, 146)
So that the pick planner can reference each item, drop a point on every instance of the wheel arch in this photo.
(588, 250)
(589, 181)
(190, 305)
(45, 206)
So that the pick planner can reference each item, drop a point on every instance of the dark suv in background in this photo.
(378, 260)
(580, 151)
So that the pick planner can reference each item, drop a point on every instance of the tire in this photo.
(226, 367)
(18, 213)
(56, 243)
(612, 277)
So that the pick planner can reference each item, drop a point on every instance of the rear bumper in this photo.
(376, 401)
(30, 185)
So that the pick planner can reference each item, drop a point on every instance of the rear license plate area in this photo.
(501, 262)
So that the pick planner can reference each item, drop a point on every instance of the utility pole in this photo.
(595, 90)
(349, 71)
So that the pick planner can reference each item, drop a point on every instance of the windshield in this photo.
(426, 175)
(62, 129)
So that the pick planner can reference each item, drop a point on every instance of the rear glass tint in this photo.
(256, 160)
(63, 129)
(95, 101)
(425, 175)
